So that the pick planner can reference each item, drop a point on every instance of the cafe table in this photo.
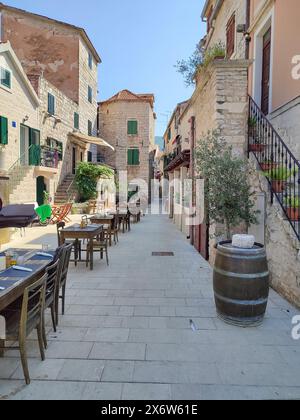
(89, 233)
(13, 282)
(108, 220)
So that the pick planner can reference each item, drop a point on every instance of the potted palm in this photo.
(293, 208)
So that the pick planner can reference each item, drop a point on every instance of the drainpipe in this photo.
(192, 168)
(247, 36)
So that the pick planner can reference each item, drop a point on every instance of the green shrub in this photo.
(87, 177)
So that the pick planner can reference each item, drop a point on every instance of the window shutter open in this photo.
(230, 37)
(136, 157)
(3, 130)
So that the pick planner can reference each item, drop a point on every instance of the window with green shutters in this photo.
(76, 120)
(3, 130)
(132, 128)
(5, 78)
(133, 157)
(90, 128)
(51, 104)
(90, 94)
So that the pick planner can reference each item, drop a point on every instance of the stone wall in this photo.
(281, 244)
(220, 103)
(286, 121)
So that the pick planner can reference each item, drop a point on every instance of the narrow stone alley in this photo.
(127, 333)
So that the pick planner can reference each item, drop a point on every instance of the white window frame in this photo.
(9, 89)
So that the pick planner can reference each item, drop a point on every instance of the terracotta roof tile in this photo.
(127, 95)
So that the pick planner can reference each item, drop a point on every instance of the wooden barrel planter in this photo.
(241, 284)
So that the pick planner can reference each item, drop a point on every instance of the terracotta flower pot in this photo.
(278, 186)
(293, 214)
(268, 166)
(257, 148)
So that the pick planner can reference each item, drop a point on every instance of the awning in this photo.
(91, 140)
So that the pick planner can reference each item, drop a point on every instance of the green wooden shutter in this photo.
(136, 159)
(76, 120)
(34, 147)
(129, 153)
(3, 130)
(51, 104)
(132, 128)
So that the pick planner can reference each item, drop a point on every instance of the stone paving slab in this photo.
(127, 331)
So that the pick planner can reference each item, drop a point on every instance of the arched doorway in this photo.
(40, 188)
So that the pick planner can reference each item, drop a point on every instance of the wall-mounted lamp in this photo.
(25, 119)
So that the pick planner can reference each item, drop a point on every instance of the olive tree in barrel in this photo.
(241, 276)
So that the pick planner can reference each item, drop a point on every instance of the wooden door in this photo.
(74, 160)
(266, 73)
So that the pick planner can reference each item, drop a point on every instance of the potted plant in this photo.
(293, 208)
(256, 146)
(268, 165)
(279, 177)
(241, 279)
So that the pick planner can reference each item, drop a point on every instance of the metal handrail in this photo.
(20, 159)
(280, 166)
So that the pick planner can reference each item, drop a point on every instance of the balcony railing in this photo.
(278, 163)
(44, 156)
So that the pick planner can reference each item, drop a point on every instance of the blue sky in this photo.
(139, 42)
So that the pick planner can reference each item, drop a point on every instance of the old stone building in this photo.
(127, 122)
(19, 127)
(61, 63)
(261, 60)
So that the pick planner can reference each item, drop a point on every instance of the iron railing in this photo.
(278, 163)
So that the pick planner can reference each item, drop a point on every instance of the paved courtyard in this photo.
(127, 332)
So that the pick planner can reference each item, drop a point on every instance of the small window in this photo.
(132, 128)
(5, 78)
(91, 61)
(3, 130)
(230, 37)
(133, 157)
(209, 18)
(90, 94)
(76, 120)
(90, 157)
(51, 104)
(90, 128)
(169, 134)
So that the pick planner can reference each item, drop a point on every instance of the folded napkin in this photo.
(19, 268)
(44, 254)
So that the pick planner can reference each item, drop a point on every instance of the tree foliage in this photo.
(228, 197)
(87, 177)
(200, 58)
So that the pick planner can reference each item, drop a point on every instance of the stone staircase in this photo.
(66, 191)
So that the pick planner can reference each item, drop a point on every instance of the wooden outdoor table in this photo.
(15, 285)
(99, 219)
(90, 232)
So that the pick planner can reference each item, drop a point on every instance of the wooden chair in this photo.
(76, 245)
(100, 244)
(21, 322)
(60, 214)
(62, 279)
(52, 285)
(115, 229)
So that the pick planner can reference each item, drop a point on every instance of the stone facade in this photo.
(48, 46)
(283, 249)
(219, 23)
(60, 60)
(114, 115)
